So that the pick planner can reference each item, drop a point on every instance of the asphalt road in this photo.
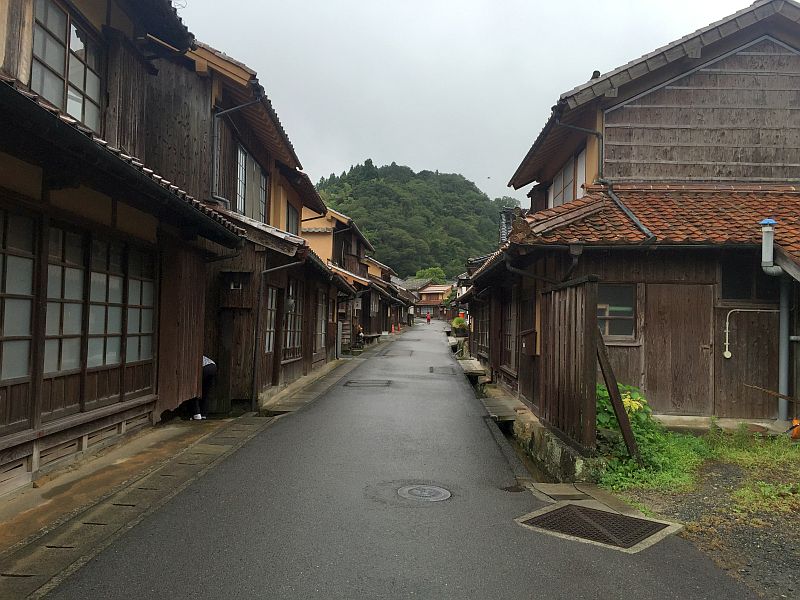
(309, 509)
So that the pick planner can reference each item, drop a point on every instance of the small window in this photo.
(580, 178)
(270, 310)
(262, 197)
(616, 310)
(743, 279)
(241, 180)
(292, 219)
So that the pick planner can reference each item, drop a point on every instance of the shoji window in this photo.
(65, 300)
(263, 205)
(293, 322)
(17, 243)
(105, 305)
(141, 302)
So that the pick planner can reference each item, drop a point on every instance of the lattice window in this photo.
(508, 330)
(270, 312)
(66, 63)
(616, 310)
(17, 243)
(141, 300)
(105, 304)
(241, 180)
(263, 203)
(482, 324)
(66, 273)
(293, 321)
(322, 321)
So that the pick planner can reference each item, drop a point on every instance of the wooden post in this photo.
(616, 398)
(589, 375)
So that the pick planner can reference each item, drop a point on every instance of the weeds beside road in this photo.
(737, 493)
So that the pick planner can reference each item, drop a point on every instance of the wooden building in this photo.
(336, 239)
(270, 306)
(103, 260)
(431, 300)
(654, 178)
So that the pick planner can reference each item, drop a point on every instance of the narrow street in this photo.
(310, 509)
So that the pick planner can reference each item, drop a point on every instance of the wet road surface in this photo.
(309, 509)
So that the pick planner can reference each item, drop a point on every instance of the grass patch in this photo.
(670, 460)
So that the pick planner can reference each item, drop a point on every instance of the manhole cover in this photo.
(425, 493)
(368, 382)
(607, 528)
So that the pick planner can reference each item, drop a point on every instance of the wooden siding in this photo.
(179, 125)
(181, 320)
(569, 360)
(754, 361)
(678, 349)
(735, 118)
(126, 84)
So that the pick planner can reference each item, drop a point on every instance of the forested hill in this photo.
(417, 220)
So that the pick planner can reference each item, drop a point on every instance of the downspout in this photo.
(651, 237)
(770, 268)
(256, 349)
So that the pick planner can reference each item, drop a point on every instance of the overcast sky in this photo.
(462, 86)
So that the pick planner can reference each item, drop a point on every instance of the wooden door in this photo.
(678, 364)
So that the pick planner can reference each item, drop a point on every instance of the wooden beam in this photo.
(616, 398)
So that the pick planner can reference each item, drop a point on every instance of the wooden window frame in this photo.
(292, 219)
(78, 24)
(263, 196)
(321, 332)
(603, 322)
(62, 263)
(241, 179)
(5, 295)
(753, 299)
(270, 319)
(482, 324)
(141, 333)
(508, 330)
(293, 321)
(556, 198)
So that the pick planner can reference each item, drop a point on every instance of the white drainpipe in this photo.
(770, 268)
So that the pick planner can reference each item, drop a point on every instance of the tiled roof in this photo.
(506, 218)
(490, 261)
(676, 214)
(415, 283)
(131, 161)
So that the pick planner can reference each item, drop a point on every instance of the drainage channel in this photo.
(39, 566)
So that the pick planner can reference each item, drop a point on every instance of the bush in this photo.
(669, 460)
(459, 323)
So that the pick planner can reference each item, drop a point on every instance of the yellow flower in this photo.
(631, 405)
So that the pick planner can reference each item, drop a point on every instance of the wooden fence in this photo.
(569, 359)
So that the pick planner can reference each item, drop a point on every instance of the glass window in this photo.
(66, 64)
(292, 219)
(16, 294)
(241, 180)
(616, 310)
(141, 280)
(322, 321)
(106, 304)
(293, 320)
(271, 311)
(262, 197)
(743, 279)
(562, 188)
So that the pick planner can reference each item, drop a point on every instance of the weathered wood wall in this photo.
(126, 85)
(181, 325)
(569, 360)
(736, 118)
(179, 127)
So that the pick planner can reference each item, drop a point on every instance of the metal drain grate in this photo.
(442, 370)
(595, 525)
(368, 382)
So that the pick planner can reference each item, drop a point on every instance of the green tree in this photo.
(417, 220)
(436, 273)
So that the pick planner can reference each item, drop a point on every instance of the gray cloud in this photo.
(456, 85)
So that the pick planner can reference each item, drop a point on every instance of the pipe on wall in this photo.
(770, 268)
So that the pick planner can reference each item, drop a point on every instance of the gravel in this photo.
(760, 548)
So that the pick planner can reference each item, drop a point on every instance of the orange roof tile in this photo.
(677, 214)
